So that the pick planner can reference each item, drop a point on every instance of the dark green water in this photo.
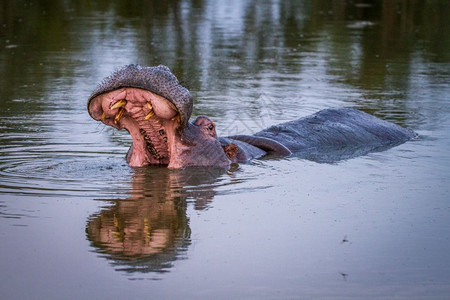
(76, 222)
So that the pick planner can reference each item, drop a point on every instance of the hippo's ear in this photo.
(231, 150)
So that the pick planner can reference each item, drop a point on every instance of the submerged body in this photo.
(329, 135)
(155, 109)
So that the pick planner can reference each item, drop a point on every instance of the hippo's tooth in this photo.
(119, 103)
(104, 116)
(149, 115)
(176, 118)
(119, 115)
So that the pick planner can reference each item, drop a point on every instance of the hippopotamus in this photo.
(152, 105)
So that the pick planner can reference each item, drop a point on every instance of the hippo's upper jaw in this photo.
(154, 108)
(150, 119)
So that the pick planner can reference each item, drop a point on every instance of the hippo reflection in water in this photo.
(154, 108)
(149, 230)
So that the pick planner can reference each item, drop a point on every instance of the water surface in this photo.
(77, 222)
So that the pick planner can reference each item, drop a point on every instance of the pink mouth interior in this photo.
(150, 119)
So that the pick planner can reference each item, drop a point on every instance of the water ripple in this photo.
(51, 170)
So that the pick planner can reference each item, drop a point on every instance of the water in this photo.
(77, 222)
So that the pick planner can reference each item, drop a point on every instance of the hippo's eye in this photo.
(210, 127)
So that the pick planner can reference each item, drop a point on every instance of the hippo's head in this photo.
(154, 108)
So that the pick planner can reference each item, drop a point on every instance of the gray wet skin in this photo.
(154, 108)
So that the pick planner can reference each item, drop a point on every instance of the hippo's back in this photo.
(338, 129)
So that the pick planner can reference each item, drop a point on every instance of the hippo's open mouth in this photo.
(154, 108)
(150, 119)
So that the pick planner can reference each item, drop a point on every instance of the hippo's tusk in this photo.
(104, 116)
(119, 115)
(119, 103)
(149, 105)
(176, 118)
(149, 115)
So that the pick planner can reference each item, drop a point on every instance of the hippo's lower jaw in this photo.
(154, 125)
